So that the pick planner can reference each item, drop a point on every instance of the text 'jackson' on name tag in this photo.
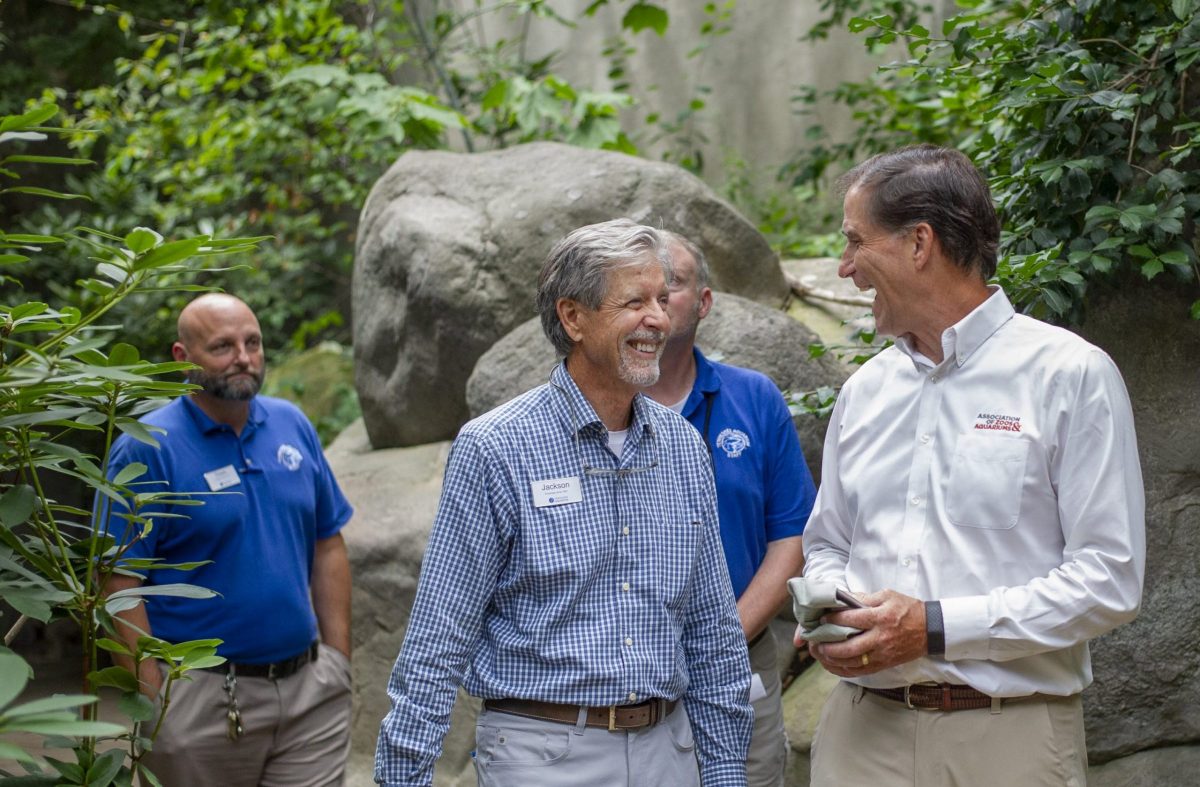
(222, 478)
(556, 491)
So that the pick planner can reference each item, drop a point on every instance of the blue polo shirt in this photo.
(277, 497)
(764, 489)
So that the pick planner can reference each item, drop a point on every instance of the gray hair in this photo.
(938, 186)
(578, 266)
(703, 276)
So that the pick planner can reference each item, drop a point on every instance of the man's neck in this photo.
(946, 312)
(232, 413)
(610, 397)
(677, 372)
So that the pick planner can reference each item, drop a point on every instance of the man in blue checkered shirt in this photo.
(574, 578)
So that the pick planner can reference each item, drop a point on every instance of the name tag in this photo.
(222, 478)
(556, 492)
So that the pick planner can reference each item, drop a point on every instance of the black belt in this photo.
(277, 670)
(611, 717)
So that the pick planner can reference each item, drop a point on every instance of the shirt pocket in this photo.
(986, 481)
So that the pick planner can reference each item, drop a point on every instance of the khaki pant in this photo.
(768, 746)
(296, 731)
(863, 739)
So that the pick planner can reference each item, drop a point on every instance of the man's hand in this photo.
(893, 627)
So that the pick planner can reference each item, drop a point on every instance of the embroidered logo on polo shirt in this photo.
(733, 442)
(998, 422)
(289, 456)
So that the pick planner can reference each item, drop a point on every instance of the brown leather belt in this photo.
(946, 697)
(613, 717)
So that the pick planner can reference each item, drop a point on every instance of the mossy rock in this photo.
(320, 380)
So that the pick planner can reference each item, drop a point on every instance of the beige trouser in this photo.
(863, 739)
(768, 746)
(296, 731)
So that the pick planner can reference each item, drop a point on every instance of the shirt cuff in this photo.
(723, 774)
(967, 628)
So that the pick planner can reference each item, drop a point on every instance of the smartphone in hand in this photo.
(843, 595)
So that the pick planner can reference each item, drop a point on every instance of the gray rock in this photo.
(449, 250)
(1174, 766)
(737, 331)
(1147, 674)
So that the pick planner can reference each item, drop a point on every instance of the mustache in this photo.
(647, 336)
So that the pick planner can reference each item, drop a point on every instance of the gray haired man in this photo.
(574, 578)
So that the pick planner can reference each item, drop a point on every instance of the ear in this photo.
(571, 314)
(706, 301)
(923, 240)
(179, 352)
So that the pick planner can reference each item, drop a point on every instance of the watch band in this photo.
(935, 628)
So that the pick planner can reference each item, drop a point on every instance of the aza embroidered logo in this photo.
(289, 457)
(998, 422)
(733, 442)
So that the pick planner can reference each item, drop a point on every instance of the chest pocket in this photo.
(985, 484)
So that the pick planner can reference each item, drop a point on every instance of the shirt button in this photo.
(625, 530)
(916, 500)
(925, 438)
(629, 640)
(625, 586)
(633, 696)
(907, 561)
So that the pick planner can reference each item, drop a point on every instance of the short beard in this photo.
(641, 374)
(219, 387)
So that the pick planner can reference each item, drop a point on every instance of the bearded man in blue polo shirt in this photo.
(764, 489)
(277, 713)
(574, 579)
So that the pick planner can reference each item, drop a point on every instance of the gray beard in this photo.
(220, 387)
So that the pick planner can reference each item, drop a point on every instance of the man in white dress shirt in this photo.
(981, 495)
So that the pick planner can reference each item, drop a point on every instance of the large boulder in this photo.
(737, 331)
(449, 250)
(1147, 684)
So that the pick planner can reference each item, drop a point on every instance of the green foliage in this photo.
(1084, 115)
(66, 392)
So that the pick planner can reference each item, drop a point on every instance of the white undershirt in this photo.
(616, 441)
(678, 406)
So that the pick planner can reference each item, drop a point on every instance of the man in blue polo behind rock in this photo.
(574, 578)
(764, 489)
(277, 713)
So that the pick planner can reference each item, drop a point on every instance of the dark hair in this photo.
(578, 266)
(938, 186)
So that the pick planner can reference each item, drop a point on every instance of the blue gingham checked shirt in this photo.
(616, 599)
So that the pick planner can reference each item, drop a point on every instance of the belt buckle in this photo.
(612, 718)
(271, 670)
(908, 697)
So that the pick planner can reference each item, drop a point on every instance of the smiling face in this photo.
(622, 339)
(221, 335)
(879, 259)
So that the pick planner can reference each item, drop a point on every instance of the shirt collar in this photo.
(707, 382)
(961, 340)
(577, 412)
(258, 416)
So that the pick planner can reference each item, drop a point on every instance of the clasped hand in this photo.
(893, 633)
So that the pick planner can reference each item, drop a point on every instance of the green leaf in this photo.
(34, 117)
(1183, 9)
(105, 768)
(16, 505)
(118, 677)
(14, 674)
(113, 646)
(123, 354)
(55, 703)
(72, 728)
(10, 751)
(44, 160)
(1152, 268)
(168, 253)
(142, 239)
(136, 706)
(1195, 310)
(129, 472)
(137, 430)
(175, 589)
(40, 192)
(645, 15)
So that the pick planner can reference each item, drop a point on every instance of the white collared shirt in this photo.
(1005, 483)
